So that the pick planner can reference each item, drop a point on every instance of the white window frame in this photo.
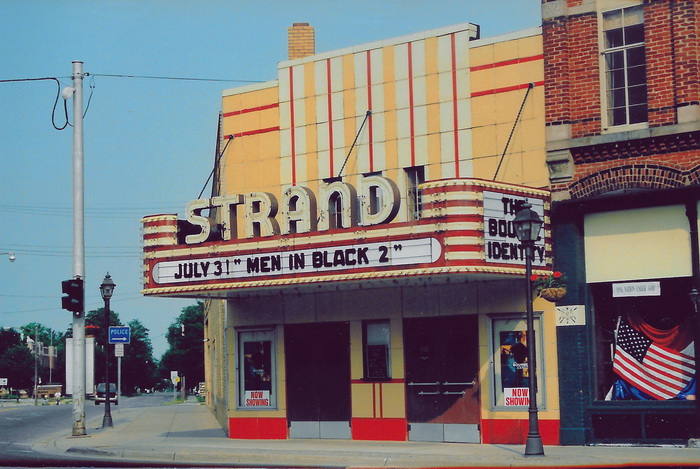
(414, 177)
(379, 337)
(515, 322)
(248, 335)
(607, 126)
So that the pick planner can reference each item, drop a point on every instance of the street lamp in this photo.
(695, 299)
(106, 290)
(527, 227)
(11, 254)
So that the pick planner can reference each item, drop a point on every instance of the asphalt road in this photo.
(23, 425)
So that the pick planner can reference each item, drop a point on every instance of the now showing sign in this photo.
(516, 396)
(257, 398)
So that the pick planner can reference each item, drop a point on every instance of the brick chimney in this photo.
(301, 41)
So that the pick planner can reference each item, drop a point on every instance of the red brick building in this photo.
(622, 103)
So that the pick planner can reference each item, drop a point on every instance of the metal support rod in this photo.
(78, 252)
(119, 380)
(533, 444)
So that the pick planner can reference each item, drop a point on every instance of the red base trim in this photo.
(514, 432)
(257, 428)
(380, 429)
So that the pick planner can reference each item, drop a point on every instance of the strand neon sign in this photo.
(379, 202)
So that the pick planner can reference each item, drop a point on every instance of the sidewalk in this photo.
(188, 434)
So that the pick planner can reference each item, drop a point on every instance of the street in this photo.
(24, 424)
(147, 434)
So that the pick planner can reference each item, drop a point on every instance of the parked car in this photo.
(100, 393)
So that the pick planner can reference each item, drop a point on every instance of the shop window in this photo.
(624, 58)
(414, 177)
(643, 426)
(377, 350)
(256, 369)
(510, 367)
(643, 338)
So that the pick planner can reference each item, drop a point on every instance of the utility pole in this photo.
(78, 252)
(35, 349)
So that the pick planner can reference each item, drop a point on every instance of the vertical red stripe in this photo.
(330, 119)
(455, 114)
(374, 400)
(291, 125)
(369, 108)
(410, 104)
(381, 401)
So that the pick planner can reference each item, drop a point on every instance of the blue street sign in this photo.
(119, 334)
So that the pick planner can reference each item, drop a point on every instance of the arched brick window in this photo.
(639, 176)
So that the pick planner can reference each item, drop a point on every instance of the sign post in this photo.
(119, 353)
(3, 382)
(119, 335)
(175, 379)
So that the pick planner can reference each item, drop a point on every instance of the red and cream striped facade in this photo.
(469, 114)
(439, 100)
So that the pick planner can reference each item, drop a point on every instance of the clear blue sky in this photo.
(149, 143)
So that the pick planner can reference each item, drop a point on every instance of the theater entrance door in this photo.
(442, 388)
(317, 358)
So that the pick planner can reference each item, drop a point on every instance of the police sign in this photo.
(119, 334)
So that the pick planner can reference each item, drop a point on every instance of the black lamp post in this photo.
(106, 289)
(527, 227)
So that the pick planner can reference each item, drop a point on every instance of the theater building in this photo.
(623, 147)
(357, 256)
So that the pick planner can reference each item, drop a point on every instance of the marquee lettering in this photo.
(339, 206)
(315, 260)
(501, 242)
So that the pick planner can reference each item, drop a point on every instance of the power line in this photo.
(58, 94)
(65, 251)
(92, 305)
(115, 212)
(92, 88)
(149, 77)
(49, 246)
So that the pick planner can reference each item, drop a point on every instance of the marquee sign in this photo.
(302, 261)
(501, 242)
(259, 240)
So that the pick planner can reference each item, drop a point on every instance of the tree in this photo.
(138, 366)
(9, 338)
(48, 337)
(17, 365)
(16, 360)
(19, 341)
(95, 325)
(44, 334)
(186, 352)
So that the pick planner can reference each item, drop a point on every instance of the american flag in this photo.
(658, 371)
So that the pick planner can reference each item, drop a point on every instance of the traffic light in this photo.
(74, 289)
